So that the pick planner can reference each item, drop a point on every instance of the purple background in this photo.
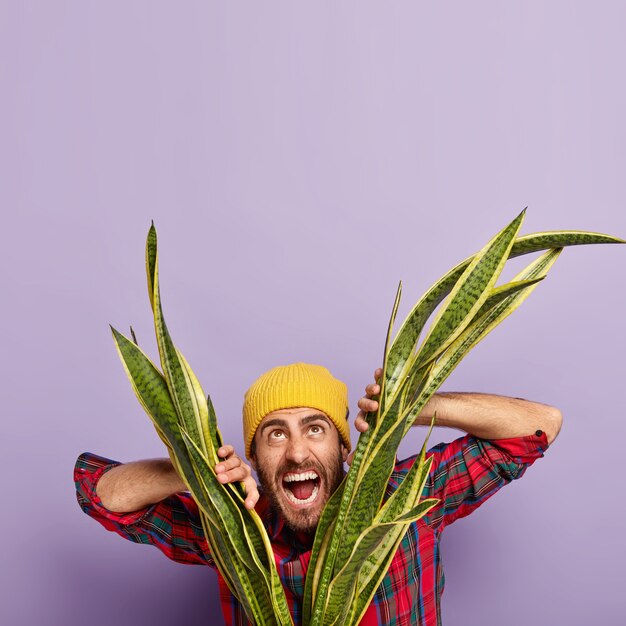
(298, 160)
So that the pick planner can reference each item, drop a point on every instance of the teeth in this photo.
(290, 478)
(308, 500)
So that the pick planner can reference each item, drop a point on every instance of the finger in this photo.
(225, 451)
(350, 457)
(372, 390)
(238, 474)
(360, 423)
(367, 406)
(378, 373)
(252, 493)
(230, 463)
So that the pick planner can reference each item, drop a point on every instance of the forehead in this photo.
(293, 417)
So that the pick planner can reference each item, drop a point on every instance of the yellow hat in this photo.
(293, 386)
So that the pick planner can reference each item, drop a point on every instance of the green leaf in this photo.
(408, 335)
(325, 529)
(186, 392)
(402, 506)
(247, 543)
(213, 429)
(406, 496)
(375, 568)
(392, 320)
(371, 483)
(504, 291)
(151, 260)
(186, 421)
(153, 395)
(470, 292)
(537, 242)
(324, 568)
(353, 516)
(337, 602)
(474, 307)
(201, 409)
(489, 318)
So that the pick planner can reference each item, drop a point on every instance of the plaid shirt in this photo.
(464, 474)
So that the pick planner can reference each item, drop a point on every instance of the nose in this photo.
(297, 450)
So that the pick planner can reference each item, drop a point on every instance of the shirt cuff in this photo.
(524, 449)
(88, 470)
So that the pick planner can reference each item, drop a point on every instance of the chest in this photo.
(414, 578)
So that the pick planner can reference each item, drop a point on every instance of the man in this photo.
(297, 439)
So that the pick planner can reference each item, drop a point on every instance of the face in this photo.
(299, 461)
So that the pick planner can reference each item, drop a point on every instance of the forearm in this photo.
(490, 416)
(135, 485)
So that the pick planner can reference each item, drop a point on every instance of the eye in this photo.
(316, 429)
(277, 435)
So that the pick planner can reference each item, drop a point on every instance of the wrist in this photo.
(434, 407)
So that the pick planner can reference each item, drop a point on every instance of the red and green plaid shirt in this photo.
(464, 474)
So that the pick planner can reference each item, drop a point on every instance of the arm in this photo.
(133, 486)
(491, 417)
(466, 472)
(173, 524)
(482, 415)
(505, 436)
(146, 502)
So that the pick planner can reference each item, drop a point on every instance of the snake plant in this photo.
(354, 541)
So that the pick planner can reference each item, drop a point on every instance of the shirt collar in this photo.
(279, 532)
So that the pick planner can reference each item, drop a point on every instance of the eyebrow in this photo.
(277, 421)
(313, 418)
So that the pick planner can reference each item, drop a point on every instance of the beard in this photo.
(302, 519)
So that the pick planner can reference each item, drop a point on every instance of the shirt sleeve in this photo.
(469, 470)
(172, 525)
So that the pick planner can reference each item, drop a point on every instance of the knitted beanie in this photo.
(293, 386)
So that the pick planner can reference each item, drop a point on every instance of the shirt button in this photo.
(539, 433)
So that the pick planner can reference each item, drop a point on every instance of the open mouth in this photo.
(301, 488)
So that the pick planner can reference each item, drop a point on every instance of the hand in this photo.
(233, 470)
(367, 405)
